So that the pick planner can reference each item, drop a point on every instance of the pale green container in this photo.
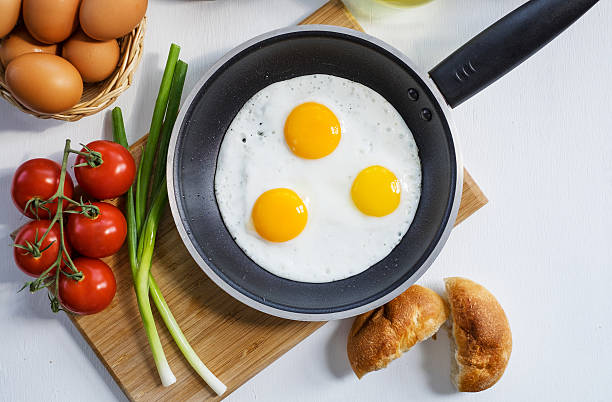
(403, 3)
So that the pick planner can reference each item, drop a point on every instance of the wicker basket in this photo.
(100, 95)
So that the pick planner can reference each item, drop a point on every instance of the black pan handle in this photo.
(503, 46)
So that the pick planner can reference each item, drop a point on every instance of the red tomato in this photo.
(33, 232)
(113, 177)
(100, 236)
(93, 293)
(38, 179)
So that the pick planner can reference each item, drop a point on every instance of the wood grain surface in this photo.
(234, 340)
(333, 13)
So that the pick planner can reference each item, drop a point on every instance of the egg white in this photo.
(339, 241)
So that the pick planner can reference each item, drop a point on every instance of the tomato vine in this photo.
(49, 278)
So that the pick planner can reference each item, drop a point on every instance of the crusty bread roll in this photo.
(481, 335)
(382, 335)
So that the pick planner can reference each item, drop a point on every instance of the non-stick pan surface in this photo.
(212, 107)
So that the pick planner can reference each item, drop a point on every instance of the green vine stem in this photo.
(92, 158)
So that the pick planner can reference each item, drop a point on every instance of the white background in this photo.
(539, 142)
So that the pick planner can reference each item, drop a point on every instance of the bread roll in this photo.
(481, 334)
(382, 335)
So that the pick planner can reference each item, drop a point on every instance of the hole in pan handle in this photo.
(503, 46)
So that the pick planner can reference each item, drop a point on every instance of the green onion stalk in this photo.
(141, 238)
(159, 357)
(174, 102)
(148, 156)
(149, 233)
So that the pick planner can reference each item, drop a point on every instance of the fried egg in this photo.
(318, 178)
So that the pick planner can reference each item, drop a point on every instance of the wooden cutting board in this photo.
(234, 341)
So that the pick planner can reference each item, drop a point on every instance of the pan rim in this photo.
(229, 288)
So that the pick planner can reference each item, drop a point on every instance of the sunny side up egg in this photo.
(318, 209)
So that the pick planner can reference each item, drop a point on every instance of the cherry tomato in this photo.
(93, 293)
(38, 179)
(32, 264)
(100, 236)
(113, 177)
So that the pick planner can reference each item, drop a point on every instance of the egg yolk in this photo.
(376, 191)
(279, 215)
(312, 131)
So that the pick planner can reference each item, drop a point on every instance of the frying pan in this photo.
(424, 102)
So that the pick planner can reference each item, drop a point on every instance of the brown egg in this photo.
(9, 15)
(51, 21)
(21, 42)
(111, 19)
(45, 83)
(95, 60)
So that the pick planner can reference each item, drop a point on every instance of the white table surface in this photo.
(539, 142)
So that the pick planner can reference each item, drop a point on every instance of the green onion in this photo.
(121, 138)
(141, 250)
(149, 233)
(146, 163)
(144, 306)
(176, 91)
(182, 342)
(142, 282)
